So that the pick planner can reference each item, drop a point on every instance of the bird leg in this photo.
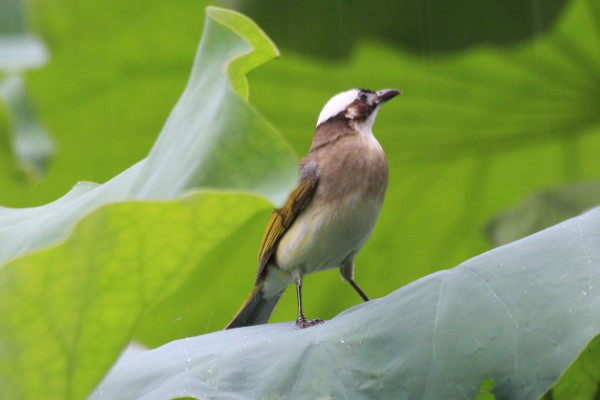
(359, 290)
(347, 272)
(302, 322)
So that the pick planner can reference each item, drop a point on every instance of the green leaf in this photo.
(81, 272)
(70, 309)
(541, 210)
(329, 30)
(256, 38)
(537, 212)
(211, 139)
(582, 379)
(485, 390)
(214, 138)
(518, 315)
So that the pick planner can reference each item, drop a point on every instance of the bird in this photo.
(330, 215)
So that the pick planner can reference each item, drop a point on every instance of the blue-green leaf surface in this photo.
(519, 315)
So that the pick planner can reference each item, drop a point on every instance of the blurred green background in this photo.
(501, 101)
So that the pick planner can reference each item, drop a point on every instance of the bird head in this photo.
(356, 106)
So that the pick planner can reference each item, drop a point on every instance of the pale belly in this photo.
(324, 235)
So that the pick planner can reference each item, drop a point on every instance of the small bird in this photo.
(330, 215)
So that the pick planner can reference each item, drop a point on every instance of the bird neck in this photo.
(331, 131)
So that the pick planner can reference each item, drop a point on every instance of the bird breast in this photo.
(342, 214)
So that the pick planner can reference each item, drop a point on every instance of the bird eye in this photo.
(362, 96)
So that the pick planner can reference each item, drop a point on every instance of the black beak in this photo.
(387, 94)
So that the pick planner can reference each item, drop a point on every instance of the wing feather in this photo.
(282, 218)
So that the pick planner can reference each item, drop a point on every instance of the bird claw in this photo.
(302, 322)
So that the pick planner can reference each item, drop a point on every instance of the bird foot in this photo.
(302, 322)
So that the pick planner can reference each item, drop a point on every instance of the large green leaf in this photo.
(115, 72)
(79, 273)
(582, 379)
(68, 311)
(331, 30)
(211, 139)
(518, 314)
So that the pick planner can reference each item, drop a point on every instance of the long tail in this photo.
(256, 309)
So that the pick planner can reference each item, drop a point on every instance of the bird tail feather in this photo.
(256, 309)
